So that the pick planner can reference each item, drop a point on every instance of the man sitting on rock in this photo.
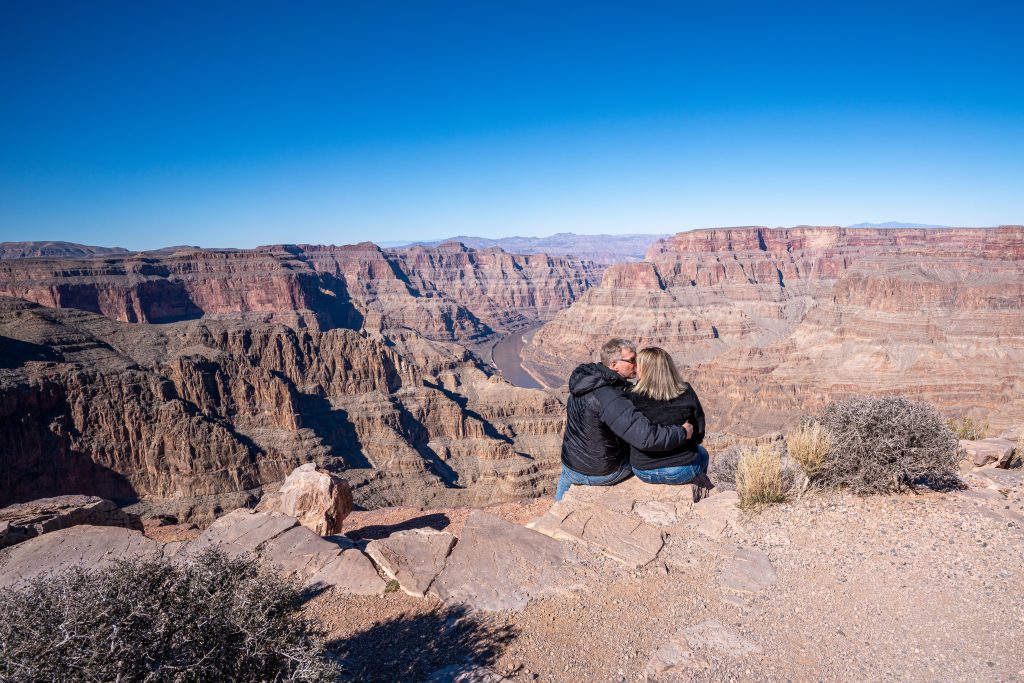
(601, 422)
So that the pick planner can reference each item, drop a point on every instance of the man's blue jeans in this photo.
(676, 475)
(570, 477)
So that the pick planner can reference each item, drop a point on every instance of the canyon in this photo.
(190, 381)
(771, 324)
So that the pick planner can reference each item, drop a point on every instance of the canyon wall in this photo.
(448, 293)
(772, 323)
(196, 415)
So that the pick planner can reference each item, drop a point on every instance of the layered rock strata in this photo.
(770, 323)
(448, 293)
(196, 416)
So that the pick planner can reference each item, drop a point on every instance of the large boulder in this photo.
(84, 546)
(318, 499)
(27, 520)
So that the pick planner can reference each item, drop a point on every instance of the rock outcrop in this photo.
(84, 547)
(770, 323)
(27, 520)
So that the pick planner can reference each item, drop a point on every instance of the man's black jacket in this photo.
(600, 421)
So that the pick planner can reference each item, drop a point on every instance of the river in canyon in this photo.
(507, 356)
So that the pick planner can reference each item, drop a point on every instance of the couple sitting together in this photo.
(615, 430)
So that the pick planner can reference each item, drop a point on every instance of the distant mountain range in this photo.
(49, 249)
(896, 224)
(603, 249)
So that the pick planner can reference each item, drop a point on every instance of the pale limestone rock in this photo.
(295, 550)
(350, 572)
(657, 512)
(241, 531)
(27, 520)
(613, 518)
(748, 571)
(414, 558)
(997, 452)
(714, 514)
(497, 565)
(85, 546)
(684, 652)
(320, 500)
(712, 635)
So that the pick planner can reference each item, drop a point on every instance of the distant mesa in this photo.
(18, 250)
(602, 249)
(896, 224)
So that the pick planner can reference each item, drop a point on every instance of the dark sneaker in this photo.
(701, 487)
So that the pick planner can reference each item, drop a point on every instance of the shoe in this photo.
(702, 486)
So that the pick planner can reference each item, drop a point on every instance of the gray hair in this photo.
(612, 350)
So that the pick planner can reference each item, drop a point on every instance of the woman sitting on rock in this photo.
(665, 399)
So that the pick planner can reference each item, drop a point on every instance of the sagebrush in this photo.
(760, 476)
(722, 468)
(214, 619)
(887, 444)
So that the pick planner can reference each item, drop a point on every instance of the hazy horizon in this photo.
(235, 125)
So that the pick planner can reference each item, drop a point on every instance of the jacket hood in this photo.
(590, 376)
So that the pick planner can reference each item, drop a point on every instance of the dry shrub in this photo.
(722, 469)
(966, 428)
(809, 445)
(760, 477)
(215, 619)
(887, 444)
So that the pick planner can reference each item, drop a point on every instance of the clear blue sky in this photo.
(144, 124)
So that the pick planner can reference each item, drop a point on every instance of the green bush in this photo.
(885, 445)
(214, 619)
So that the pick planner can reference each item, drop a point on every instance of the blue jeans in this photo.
(570, 477)
(676, 475)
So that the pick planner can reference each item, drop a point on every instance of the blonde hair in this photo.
(659, 378)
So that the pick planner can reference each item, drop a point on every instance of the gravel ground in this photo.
(915, 587)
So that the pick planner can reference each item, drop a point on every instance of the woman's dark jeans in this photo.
(676, 475)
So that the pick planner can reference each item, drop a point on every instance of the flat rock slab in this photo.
(241, 531)
(713, 515)
(624, 496)
(998, 452)
(749, 571)
(350, 572)
(414, 558)
(999, 478)
(27, 520)
(622, 521)
(295, 550)
(85, 546)
(498, 565)
(689, 648)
